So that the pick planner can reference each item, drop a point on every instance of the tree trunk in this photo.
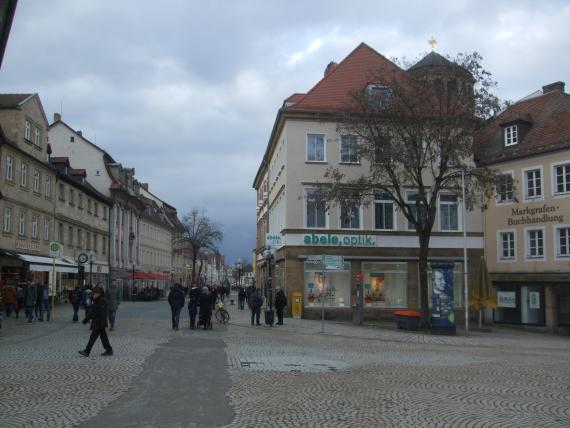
(423, 271)
(193, 281)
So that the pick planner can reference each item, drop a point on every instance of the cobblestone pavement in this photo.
(293, 376)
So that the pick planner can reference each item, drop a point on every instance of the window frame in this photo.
(524, 174)
(306, 191)
(555, 231)
(22, 224)
(37, 181)
(7, 220)
(527, 232)
(360, 225)
(555, 192)
(35, 221)
(439, 211)
(324, 160)
(380, 201)
(9, 168)
(500, 256)
(511, 138)
(498, 201)
(23, 174)
(355, 154)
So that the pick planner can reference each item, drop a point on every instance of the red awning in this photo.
(155, 276)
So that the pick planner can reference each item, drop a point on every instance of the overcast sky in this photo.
(186, 91)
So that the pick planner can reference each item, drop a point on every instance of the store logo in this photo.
(341, 240)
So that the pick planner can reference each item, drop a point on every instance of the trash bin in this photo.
(408, 320)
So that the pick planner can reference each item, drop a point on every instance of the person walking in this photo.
(176, 301)
(30, 299)
(86, 301)
(10, 301)
(205, 307)
(255, 302)
(98, 317)
(280, 303)
(75, 300)
(113, 302)
(193, 303)
(43, 297)
(20, 293)
(241, 298)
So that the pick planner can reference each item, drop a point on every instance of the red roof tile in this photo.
(352, 74)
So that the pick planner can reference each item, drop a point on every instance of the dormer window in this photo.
(379, 96)
(511, 135)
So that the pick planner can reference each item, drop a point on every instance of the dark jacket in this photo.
(280, 300)
(255, 300)
(30, 295)
(176, 298)
(241, 294)
(75, 296)
(113, 297)
(205, 306)
(194, 296)
(98, 314)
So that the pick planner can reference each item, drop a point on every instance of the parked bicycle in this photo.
(222, 316)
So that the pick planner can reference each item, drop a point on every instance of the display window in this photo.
(520, 304)
(385, 285)
(327, 288)
(458, 290)
(564, 310)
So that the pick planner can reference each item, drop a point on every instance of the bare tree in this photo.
(415, 130)
(199, 234)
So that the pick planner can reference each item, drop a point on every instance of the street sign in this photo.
(333, 262)
(82, 258)
(54, 249)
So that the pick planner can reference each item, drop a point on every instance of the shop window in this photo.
(564, 310)
(520, 305)
(458, 289)
(385, 285)
(330, 287)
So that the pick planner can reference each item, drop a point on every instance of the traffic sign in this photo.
(54, 249)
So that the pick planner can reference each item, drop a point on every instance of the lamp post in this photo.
(238, 267)
(91, 254)
(268, 254)
(133, 285)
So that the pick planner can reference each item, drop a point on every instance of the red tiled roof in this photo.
(549, 119)
(352, 74)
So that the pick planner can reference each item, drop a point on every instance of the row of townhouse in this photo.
(57, 186)
(526, 243)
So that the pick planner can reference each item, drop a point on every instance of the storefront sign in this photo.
(333, 262)
(27, 246)
(443, 319)
(340, 240)
(527, 215)
(534, 300)
(506, 299)
(275, 240)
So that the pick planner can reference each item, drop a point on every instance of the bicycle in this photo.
(222, 316)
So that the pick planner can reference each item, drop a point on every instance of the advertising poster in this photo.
(375, 289)
(506, 299)
(443, 319)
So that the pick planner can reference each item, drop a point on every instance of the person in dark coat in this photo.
(255, 302)
(20, 294)
(30, 299)
(113, 302)
(241, 298)
(193, 303)
(75, 300)
(205, 306)
(280, 303)
(176, 300)
(98, 316)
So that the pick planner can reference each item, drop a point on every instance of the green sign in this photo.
(54, 249)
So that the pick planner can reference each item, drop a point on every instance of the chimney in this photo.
(330, 67)
(553, 87)
(80, 133)
(56, 117)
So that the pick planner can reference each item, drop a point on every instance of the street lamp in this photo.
(268, 255)
(238, 267)
(91, 254)
(133, 284)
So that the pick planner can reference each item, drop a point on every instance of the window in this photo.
(104, 213)
(9, 168)
(48, 186)
(61, 192)
(507, 245)
(70, 236)
(104, 245)
(95, 236)
(349, 215)
(315, 209)
(383, 211)
(80, 201)
(316, 148)
(7, 220)
(24, 175)
(37, 137)
(79, 238)
(46, 229)
(95, 209)
(385, 285)
(562, 241)
(28, 131)
(379, 96)
(448, 213)
(89, 205)
(411, 198)
(533, 183)
(349, 149)
(60, 233)
(511, 135)
(562, 178)
(88, 239)
(505, 188)
(332, 290)
(535, 243)
(22, 224)
(71, 197)
(37, 181)
(35, 220)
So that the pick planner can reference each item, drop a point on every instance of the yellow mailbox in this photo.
(297, 306)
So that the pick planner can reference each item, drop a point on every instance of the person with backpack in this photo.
(193, 303)
(176, 300)
(255, 302)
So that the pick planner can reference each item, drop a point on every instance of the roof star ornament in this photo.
(432, 41)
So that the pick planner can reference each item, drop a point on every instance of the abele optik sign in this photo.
(340, 240)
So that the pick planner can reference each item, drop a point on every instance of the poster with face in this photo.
(442, 296)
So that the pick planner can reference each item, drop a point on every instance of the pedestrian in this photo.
(241, 298)
(176, 301)
(86, 301)
(38, 303)
(248, 291)
(20, 294)
(98, 317)
(221, 293)
(193, 303)
(280, 303)
(30, 298)
(255, 301)
(205, 307)
(45, 307)
(75, 300)
(113, 302)
(10, 300)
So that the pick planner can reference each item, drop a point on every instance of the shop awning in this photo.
(154, 276)
(45, 264)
